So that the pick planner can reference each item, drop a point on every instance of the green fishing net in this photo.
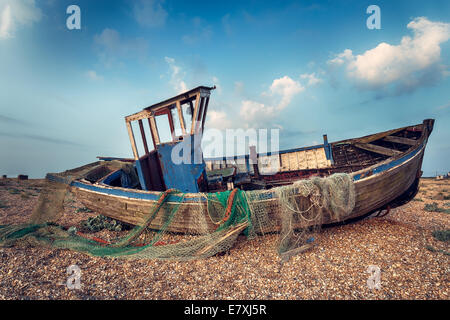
(294, 211)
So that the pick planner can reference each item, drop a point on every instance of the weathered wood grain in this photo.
(377, 149)
(401, 140)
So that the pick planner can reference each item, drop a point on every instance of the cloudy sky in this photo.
(305, 67)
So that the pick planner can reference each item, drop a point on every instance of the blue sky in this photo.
(305, 67)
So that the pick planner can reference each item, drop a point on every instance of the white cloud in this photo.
(150, 13)
(256, 112)
(342, 58)
(408, 65)
(16, 13)
(286, 88)
(312, 78)
(5, 23)
(176, 76)
(91, 74)
(218, 120)
(280, 95)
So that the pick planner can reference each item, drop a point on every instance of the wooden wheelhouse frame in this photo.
(198, 111)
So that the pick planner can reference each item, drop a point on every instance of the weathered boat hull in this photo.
(377, 187)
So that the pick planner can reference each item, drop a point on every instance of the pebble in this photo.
(336, 268)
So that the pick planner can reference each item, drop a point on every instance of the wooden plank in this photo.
(377, 136)
(180, 116)
(199, 114)
(194, 116)
(181, 97)
(204, 113)
(302, 160)
(293, 161)
(284, 162)
(200, 110)
(154, 130)
(321, 158)
(395, 139)
(144, 140)
(138, 116)
(376, 192)
(377, 149)
(151, 133)
(172, 127)
(132, 140)
(311, 159)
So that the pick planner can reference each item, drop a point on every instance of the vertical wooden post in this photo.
(194, 116)
(204, 113)
(181, 117)
(199, 114)
(151, 133)
(133, 142)
(172, 127)
(154, 130)
(328, 151)
(144, 140)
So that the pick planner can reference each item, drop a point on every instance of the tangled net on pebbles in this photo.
(297, 211)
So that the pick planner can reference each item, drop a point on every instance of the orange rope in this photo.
(97, 239)
(230, 201)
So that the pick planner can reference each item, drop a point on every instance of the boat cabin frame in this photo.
(155, 168)
(197, 101)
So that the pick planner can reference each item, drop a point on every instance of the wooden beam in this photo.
(377, 136)
(172, 127)
(151, 133)
(154, 130)
(204, 113)
(199, 114)
(395, 139)
(144, 140)
(200, 111)
(377, 149)
(194, 116)
(181, 117)
(132, 140)
(139, 115)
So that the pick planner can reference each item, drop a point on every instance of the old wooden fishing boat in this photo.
(385, 167)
